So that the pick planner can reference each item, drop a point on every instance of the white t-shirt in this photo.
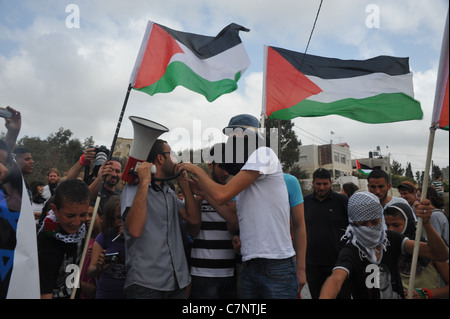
(263, 210)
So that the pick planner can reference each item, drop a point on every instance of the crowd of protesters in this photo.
(242, 229)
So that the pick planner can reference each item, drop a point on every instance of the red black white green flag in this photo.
(207, 65)
(440, 117)
(377, 90)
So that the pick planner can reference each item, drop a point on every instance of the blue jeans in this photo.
(139, 292)
(269, 279)
(213, 288)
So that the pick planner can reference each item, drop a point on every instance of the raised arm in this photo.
(435, 247)
(222, 194)
(137, 213)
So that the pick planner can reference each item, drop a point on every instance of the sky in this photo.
(59, 73)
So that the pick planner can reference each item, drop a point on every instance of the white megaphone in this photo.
(146, 132)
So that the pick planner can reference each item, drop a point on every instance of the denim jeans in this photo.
(269, 279)
(213, 288)
(139, 292)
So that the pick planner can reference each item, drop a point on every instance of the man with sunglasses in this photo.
(156, 263)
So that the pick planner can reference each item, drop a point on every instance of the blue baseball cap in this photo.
(243, 121)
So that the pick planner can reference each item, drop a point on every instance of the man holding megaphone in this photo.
(156, 263)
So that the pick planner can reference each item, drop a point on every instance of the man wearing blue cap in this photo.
(263, 210)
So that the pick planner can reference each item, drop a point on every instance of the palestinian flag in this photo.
(207, 65)
(363, 169)
(378, 90)
(440, 117)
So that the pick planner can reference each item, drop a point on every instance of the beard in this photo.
(112, 181)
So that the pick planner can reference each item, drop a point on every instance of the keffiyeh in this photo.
(51, 228)
(364, 206)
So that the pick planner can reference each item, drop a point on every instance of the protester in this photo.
(408, 191)
(379, 185)
(19, 276)
(399, 218)
(60, 239)
(298, 226)
(348, 189)
(263, 212)
(24, 160)
(438, 185)
(156, 264)
(439, 221)
(88, 283)
(326, 220)
(213, 260)
(37, 200)
(53, 178)
(369, 261)
(111, 170)
(108, 254)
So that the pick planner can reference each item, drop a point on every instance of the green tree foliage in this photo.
(58, 150)
(396, 168)
(288, 144)
(408, 171)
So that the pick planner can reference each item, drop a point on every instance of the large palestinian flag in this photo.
(378, 90)
(440, 118)
(207, 65)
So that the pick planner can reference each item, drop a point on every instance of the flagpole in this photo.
(443, 67)
(425, 182)
(97, 201)
(263, 106)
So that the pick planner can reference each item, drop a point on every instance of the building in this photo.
(334, 157)
(122, 148)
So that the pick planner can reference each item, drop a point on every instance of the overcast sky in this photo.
(76, 78)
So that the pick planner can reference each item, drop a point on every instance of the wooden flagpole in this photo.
(443, 66)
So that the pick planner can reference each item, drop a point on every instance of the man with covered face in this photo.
(369, 261)
(269, 268)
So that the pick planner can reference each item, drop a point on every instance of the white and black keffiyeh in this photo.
(51, 228)
(364, 206)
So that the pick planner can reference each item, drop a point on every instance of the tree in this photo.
(408, 171)
(396, 168)
(58, 150)
(418, 178)
(288, 144)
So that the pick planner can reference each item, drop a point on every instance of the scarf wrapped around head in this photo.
(409, 231)
(51, 228)
(365, 206)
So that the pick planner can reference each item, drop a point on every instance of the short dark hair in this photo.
(20, 150)
(157, 148)
(71, 191)
(378, 173)
(349, 188)
(322, 173)
(109, 211)
(436, 200)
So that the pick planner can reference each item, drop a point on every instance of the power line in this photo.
(314, 26)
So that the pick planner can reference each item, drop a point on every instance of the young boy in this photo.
(60, 239)
(370, 259)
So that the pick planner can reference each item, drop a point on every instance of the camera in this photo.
(7, 114)
(101, 155)
(111, 258)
